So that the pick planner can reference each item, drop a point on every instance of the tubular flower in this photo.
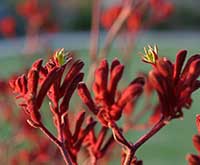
(74, 140)
(173, 84)
(99, 144)
(50, 80)
(192, 158)
(46, 80)
(108, 105)
(32, 92)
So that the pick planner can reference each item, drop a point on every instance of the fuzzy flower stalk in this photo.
(108, 102)
(173, 82)
(61, 75)
(52, 81)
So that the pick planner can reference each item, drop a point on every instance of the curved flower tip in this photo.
(61, 56)
(151, 54)
(198, 122)
(193, 159)
(196, 142)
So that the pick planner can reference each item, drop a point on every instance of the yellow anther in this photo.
(61, 56)
(151, 54)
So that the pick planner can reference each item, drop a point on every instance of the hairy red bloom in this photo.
(51, 80)
(108, 105)
(32, 91)
(173, 84)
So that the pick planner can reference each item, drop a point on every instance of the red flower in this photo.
(37, 15)
(134, 21)
(28, 8)
(110, 15)
(29, 88)
(8, 26)
(152, 12)
(156, 115)
(108, 105)
(50, 80)
(161, 8)
(173, 84)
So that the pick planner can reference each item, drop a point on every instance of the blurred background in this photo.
(76, 15)
(30, 29)
(46, 21)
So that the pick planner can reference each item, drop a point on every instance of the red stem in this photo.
(59, 144)
(160, 124)
(131, 152)
(112, 33)
(49, 135)
(63, 149)
(94, 37)
(118, 136)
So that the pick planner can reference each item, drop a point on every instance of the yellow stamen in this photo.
(61, 56)
(151, 54)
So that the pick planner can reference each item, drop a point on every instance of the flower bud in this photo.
(193, 159)
(86, 97)
(198, 123)
(196, 142)
(164, 67)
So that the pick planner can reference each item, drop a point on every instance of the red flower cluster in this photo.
(32, 90)
(156, 10)
(133, 23)
(37, 14)
(192, 158)
(50, 80)
(61, 76)
(109, 103)
(161, 9)
(173, 84)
